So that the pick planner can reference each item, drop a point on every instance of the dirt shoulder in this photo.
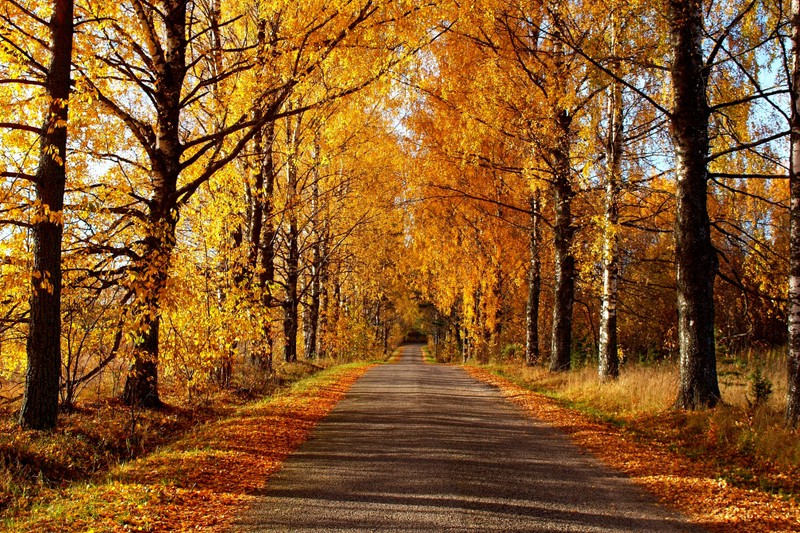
(689, 485)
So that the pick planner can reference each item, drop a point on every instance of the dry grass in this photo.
(746, 443)
(643, 389)
(651, 450)
(638, 390)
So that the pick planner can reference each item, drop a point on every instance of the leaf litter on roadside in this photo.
(200, 482)
(689, 485)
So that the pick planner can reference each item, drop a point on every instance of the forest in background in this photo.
(194, 191)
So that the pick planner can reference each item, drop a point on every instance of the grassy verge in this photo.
(427, 356)
(733, 468)
(194, 478)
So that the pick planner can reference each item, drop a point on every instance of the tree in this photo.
(534, 282)
(725, 56)
(40, 402)
(695, 257)
(191, 131)
(792, 414)
(291, 236)
(608, 350)
(316, 264)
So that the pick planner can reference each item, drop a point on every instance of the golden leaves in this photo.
(201, 481)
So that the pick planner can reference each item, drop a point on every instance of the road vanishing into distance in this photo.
(418, 447)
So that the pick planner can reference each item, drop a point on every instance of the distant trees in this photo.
(714, 129)
(242, 173)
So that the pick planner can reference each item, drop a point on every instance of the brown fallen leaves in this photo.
(200, 482)
(688, 485)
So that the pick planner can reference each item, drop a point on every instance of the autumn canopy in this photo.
(194, 191)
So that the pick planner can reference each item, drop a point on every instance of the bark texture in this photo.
(608, 350)
(793, 393)
(292, 266)
(534, 284)
(265, 244)
(40, 399)
(315, 288)
(169, 70)
(324, 294)
(564, 230)
(695, 257)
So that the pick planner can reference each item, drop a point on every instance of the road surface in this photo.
(416, 447)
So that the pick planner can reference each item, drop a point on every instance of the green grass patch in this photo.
(427, 356)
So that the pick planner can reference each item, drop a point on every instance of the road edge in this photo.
(679, 482)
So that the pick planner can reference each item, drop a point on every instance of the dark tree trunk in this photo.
(477, 344)
(267, 272)
(312, 324)
(455, 324)
(561, 342)
(324, 296)
(465, 346)
(377, 321)
(257, 199)
(608, 350)
(40, 399)
(793, 311)
(534, 285)
(695, 257)
(305, 302)
(290, 307)
(267, 243)
(496, 330)
(290, 303)
(141, 387)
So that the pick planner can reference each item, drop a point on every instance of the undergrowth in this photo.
(201, 477)
(98, 436)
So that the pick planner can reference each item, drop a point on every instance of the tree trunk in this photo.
(290, 303)
(608, 351)
(141, 386)
(561, 343)
(496, 331)
(477, 338)
(534, 285)
(695, 257)
(290, 307)
(324, 295)
(793, 311)
(316, 265)
(40, 399)
(257, 198)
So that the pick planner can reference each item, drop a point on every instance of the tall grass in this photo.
(742, 434)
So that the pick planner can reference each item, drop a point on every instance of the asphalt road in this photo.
(416, 447)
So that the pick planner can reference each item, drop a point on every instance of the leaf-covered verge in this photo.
(196, 481)
(676, 455)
